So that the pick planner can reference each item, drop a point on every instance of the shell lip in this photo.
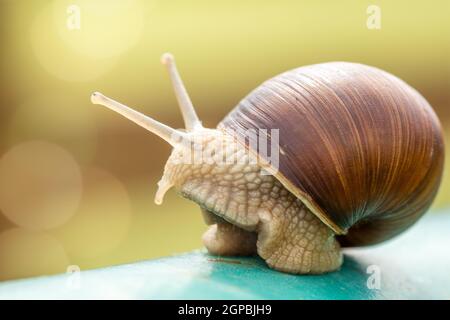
(304, 197)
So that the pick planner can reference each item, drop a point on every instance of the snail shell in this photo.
(361, 148)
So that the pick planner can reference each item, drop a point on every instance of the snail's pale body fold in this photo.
(249, 212)
(361, 159)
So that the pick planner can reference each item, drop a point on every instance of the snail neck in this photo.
(250, 211)
(207, 163)
(224, 178)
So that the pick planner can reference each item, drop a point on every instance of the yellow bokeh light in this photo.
(67, 121)
(103, 219)
(40, 185)
(25, 253)
(57, 57)
(99, 28)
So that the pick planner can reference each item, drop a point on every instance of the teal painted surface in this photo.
(415, 265)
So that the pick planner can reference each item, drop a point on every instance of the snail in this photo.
(360, 160)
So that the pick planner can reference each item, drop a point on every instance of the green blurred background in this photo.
(77, 182)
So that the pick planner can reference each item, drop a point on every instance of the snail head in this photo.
(184, 161)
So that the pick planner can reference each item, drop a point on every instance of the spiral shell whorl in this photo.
(361, 148)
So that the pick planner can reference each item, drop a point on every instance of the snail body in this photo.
(361, 159)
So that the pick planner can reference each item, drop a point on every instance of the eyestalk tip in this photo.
(167, 58)
(97, 97)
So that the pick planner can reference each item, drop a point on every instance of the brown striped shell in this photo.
(361, 148)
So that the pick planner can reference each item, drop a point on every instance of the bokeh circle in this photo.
(40, 185)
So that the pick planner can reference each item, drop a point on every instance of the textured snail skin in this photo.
(361, 148)
(250, 212)
(361, 159)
